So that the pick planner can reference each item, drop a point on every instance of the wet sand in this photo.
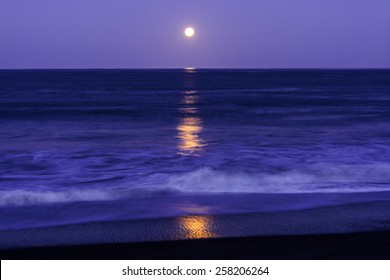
(357, 231)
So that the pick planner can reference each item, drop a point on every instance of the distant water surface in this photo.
(90, 145)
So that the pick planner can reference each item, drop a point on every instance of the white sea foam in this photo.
(24, 197)
(342, 178)
(320, 179)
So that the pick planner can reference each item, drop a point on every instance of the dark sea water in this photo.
(107, 145)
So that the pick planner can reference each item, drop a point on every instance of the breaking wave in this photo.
(320, 179)
(344, 178)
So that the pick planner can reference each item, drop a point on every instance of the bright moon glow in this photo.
(189, 32)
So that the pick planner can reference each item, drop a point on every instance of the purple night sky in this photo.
(232, 34)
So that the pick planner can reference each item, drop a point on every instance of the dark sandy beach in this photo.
(356, 231)
(363, 245)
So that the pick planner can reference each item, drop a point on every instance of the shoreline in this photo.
(356, 231)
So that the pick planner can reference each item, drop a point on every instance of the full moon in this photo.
(189, 32)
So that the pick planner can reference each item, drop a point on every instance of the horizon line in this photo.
(206, 68)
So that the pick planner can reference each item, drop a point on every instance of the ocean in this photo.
(81, 146)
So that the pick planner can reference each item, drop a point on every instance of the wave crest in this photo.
(346, 178)
(343, 179)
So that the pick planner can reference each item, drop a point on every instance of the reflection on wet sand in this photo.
(196, 227)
